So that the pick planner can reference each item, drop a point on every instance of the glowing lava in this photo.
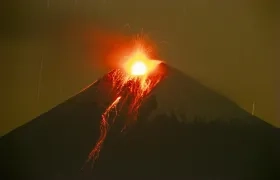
(138, 68)
(130, 84)
(104, 127)
(138, 63)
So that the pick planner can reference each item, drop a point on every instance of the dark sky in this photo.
(231, 46)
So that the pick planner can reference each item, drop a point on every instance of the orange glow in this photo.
(110, 50)
(139, 64)
(139, 68)
(134, 79)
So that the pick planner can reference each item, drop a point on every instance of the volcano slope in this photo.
(183, 131)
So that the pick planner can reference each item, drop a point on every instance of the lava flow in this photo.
(131, 84)
(104, 127)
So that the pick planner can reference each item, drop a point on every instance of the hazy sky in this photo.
(231, 46)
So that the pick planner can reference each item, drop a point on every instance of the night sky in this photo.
(231, 46)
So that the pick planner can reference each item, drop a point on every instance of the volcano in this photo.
(183, 130)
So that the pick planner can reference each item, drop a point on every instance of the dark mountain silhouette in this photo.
(215, 139)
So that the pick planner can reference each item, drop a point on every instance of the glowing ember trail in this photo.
(104, 127)
(130, 84)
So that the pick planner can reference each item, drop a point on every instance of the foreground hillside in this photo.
(158, 149)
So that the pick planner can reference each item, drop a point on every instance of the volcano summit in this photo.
(165, 126)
